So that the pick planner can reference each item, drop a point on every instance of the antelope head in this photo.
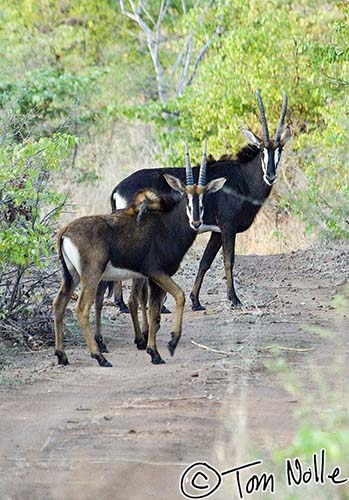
(195, 193)
(271, 149)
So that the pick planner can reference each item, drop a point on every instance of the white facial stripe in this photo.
(190, 208)
(276, 157)
(201, 202)
(201, 206)
(266, 181)
(265, 158)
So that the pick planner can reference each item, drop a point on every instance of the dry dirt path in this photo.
(126, 433)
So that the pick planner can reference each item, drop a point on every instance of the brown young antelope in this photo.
(117, 246)
(250, 177)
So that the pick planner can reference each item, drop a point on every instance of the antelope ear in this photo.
(175, 183)
(285, 136)
(143, 210)
(252, 139)
(215, 185)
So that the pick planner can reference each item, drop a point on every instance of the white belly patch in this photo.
(71, 256)
(204, 228)
(117, 273)
(120, 202)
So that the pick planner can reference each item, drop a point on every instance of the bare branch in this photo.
(135, 16)
(146, 12)
(162, 11)
(153, 39)
(186, 65)
(203, 52)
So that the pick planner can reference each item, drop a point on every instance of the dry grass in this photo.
(113, 156)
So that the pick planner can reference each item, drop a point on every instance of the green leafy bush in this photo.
(29, 208)
(273, 45)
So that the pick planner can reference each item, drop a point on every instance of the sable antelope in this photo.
(250, 177)
(116, 246)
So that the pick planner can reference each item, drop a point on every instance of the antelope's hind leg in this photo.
(89, 284)
(59, 306)
(119, 297)
(139, 296)
(211, 250)
(228, 239)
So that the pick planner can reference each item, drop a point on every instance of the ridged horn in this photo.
(188, 168)
(263, 118)
(282, 118)
(202, 175)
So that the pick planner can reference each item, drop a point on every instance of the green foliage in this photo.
(28, 209)
(309, 439)
(25, 191)
(273, 45)
(48, 100)
(324, 203)
(49, 96)
(57, 33)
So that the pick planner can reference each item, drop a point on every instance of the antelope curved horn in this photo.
(188, 168)
(202, 175)
(282, 118)
(263, 117)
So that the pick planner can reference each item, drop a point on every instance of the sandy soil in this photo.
(127, 433)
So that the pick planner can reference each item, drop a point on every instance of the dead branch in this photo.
(287, 348)
(202, 346)
(203, 51)
(152, 37)
(153, 33)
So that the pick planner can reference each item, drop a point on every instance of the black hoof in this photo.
(141, 344)
(164, 310)
(198, 307)
(195, 304)
(173, 344)
(123, 307)
(101, 345)
(156, 359)
(235, 303)
(62, 358)
(101, 360)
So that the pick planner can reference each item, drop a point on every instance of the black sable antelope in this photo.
(117, 246)
(232, 210)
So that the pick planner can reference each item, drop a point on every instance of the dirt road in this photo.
(126, 433)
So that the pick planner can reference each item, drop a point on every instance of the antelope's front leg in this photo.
(156, 295)
(98, 308)
(228, 241)
(167, 283)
